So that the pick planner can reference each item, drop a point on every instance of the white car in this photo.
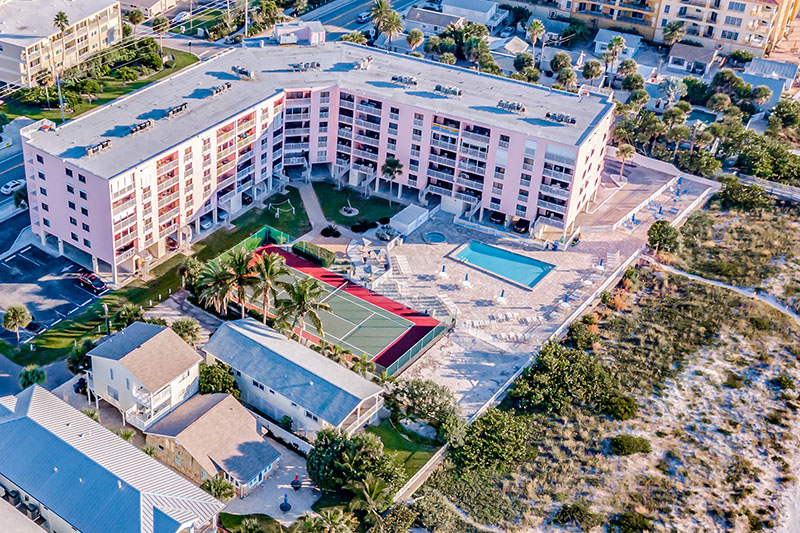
(180, 17)
(12, 186)
(507, 31)
(363, 17)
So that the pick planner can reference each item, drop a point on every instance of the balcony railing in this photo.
(475, 136)
(347, 105)
(225, 197)
(298, 101)
(224, 135)
(551, 222)
(124, 223)
(221, 169)
(127, 254)
(123, 206)
(369, 125)
(344, 132)
(365, 154)
(169, 214)
(441, 191)
(367, 140)
(166, 200)
(343, 148)
(167, 183)
(467, 182)
(471, 151)
(369, 109)
(297, 131)
(557, 175)
(559, 159)
(296, 146)
(634, 20)
(297, 116)
(294, 160)
(125, 239)
(550, 206)
(166, 167)
(364, 168)
(444, 176)
(442, 160)
(466, 197)
(557, 192)
(123, 192)
(470, 167)
(636, 5)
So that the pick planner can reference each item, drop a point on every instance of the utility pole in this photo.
(105, 312)
(246, 21)
(60, 99)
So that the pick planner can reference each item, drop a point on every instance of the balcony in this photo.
(494, 205)
(442, 160)
(167, 183)
(368, 140)
(324, 99)
(346, 105)
(550, 206)
(343, 148)
(466, 197)
(556, 192)
(444, 176)
(475, 136)
(472, 152)
(369, 125)
(296, 146)
(691, 16)
(364, 168)
(166, 200)
(345, 120)
(394, 116)
(296, 160)
(125, 239)
(441, 191)
(344, 132)
(472, 167)
(123, 206)
(221, 199)
(224, 167)
(557, 175)
(559, 159)
(244, 126)
(123, 192)
(521, 213)
(369, 109)
(365, 154)
(634, 20)
(636, 6)
(124, 223)
(418, 122)
(297, 131)
(226, 151)
(224, 135)
(127, 254)
(298, 101)
(555, 223)
(297, 116)
(166, 167)
(467, 182)
(169, 214)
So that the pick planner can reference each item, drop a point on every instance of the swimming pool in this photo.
(515, 268)
(435, 237)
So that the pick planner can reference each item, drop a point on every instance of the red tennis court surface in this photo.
(422, 323)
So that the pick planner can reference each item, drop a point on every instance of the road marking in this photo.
(73, 310)
(204, 53)
(56, 322)
(31, 260)
(24, 249)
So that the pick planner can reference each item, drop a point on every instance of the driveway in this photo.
(176, 307)
(267, 498)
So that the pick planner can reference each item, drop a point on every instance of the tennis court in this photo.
(361, 321)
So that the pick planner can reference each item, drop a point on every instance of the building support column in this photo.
(60, 246)
(399, 190)
(114, 278)
(95, 266)
(43, 237)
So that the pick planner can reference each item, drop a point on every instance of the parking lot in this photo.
(47, 286)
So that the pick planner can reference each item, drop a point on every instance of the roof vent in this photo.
(99, 147)
(140, 127)
(219, 89)
(448, 90)
(408, 81)
(243, 72)
(119, 484)
(561, 118)
(55, 469)
(177, 110)
(364, 64)
(305, 66)
(514, 107)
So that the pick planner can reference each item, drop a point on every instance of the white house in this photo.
(430, 22)
(481, 11)
(281, 377)
(786, 72)
(144, 371)
(604, 37)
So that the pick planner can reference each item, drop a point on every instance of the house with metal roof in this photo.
(430, 22)
(281, 377)
(786, 72)
(145, 370)
(483, 12)
(691, 59)
(776, 85)
(604, 36)
(214, 435)
(73, 474)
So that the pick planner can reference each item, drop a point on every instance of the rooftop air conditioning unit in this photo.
(142, 126)
(177, 110)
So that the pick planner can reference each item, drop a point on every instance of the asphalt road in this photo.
(344, 17)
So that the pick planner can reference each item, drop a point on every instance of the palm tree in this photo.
(303, 301)
(372, 496)
(190, 270)
(15, 317)
(414, 38)
(125, 434)
(535, 31)
(379, 13)
(674, 32)
(390, 169)
(21, 197)
(240, 263)
(128, 314)
(215, 285)
(249, 525)
(219, 488)
(363, 366)
(61, 21)
(161, 26)
(607, 58)
(592, 70)
(335, 353)
(355, 37)
(392, 26)
(625, 152)
(672, 88)
(78, 360)
(616, 46)
(270, 12)
(448, 59)
(45, 78)
(31, 375)
(567, 77)
(187, 329)
(332, 520)
(135, 17)
(269, 270)
(676, 135)
(627, 67)
(92, 413)
(432, 45)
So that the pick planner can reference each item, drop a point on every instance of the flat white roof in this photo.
(273, 75)
(26, 22)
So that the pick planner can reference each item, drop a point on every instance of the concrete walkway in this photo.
(316, 216)
(176, 307)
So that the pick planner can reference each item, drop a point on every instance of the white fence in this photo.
(787, 192)
(290, 439)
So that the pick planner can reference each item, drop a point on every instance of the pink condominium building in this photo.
(170, 160)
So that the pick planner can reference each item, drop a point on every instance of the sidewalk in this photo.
(316, 216)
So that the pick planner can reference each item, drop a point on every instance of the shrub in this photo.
(621, 407)
(384, 220)
(314, 253)
(579, 336)
(330, 231)
(399, 520)
(217, 378)
(632, 522)
(628, 445)
(733, 380)
(433, 513)
(577, 514)
(784, 382)
(496, 439)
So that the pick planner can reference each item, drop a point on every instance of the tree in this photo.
(127, 315)
(662, 236)
(567, 77)
(92, 413)
(331, 520)
(788, 112)
(61, 21)
(219, 488)
(15, 317)
(625, 152)
(79, 360)
(633, 82)
(217, 378)
(560, 61)
(135, 17)
(21, 196)
(746, 197)
(371, 495)
(616, 46)
(215, 285)
(719, 102)
(300, 6)
(448, 45)
(334, 352)
(639, 98)
(392, 26)
(495, 440)
(523, 61)
(700, 163)
(390, 169)
(191, 270)
(126, 74)
(627, 67)
(269, 272)
(741, 56)
(303, 301)
(433, 45)
(187, 329)
(125, 434)
(535, 31)
(355, 37)
(127, 30)
(31, 375)
(362, 365)
(592, 70)
(161, 26)
(379, 13)
(447, 58)
(673, 32)
(414, 38)
(672, 88)
(726, 81)
(673, 116)
(240, 264)
(761, 94)
(420, 399)
(473, 48)
(676, 135)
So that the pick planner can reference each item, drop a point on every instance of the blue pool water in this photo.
(435, 237)
(515, 267)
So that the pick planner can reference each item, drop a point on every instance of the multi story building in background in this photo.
(31, 44)
(639, 15)
(728, 25)
(148, 171)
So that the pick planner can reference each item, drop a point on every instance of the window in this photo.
(127, 384)
(70, 189)
(46, 222)
(69, 172)
(45, 207)
(82, 194)
(177, 459)
(733, 21)
(87, 243)
(43, 191)
(112, 392)
(39, 159)
(74, 236)
(666, 9)
(160, 447)
(663, 22)
(203, 475)
(730, 35)
(73, 221)
(71, 205)
(737, 6)
(84, 211)
(81, 178)
(41, 175)
(84, 226)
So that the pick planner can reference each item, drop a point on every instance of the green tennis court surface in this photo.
(354, 324)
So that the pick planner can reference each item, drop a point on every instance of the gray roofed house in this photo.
(787, 72)
(776, 85)
(77, 474)
(222, 438)
(430, 22)
(691, 59)
(283, 378)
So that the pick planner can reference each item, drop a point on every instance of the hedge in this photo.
(314, 253)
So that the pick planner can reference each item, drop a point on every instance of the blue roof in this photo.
(124, 342)
(298, 373)
(775, 84)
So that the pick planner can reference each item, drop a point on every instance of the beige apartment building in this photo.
(30, 43)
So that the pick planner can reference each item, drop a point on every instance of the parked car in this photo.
(246, 199)
(363, 17)
(12, 186)
(222, 215)
(521, 225)
(497, 218)
(206, 221)
(180, 17)
(172, 244)
(508, 31)
(92, 282)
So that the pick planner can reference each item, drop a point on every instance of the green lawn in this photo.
(266, 524)
(206, 20)
(295, 224)
(370, 209)
(112, 89)
(410, 450)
